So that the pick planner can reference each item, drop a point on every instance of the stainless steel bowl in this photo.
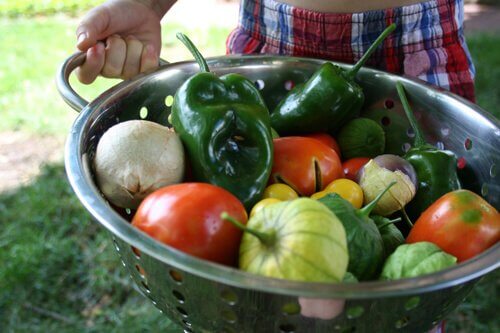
(205, 297)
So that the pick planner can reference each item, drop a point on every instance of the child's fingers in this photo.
(116, 51)
(93, 64)
(132, 64)
(92, 28)
(149, 58)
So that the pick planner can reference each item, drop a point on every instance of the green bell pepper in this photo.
(436, 169)
(224, 125)
(326, 101)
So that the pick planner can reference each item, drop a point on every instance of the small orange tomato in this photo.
(307, 165)
(280, 192)
(327, 139)
(347, 189)
(460, 222)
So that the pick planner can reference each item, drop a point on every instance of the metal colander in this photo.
(202, 296)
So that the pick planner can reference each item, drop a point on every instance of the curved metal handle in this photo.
(69, 95)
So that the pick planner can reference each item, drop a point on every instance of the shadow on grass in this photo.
(59, 271)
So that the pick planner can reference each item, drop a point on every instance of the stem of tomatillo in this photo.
(366, 210)
(194, 51)
(397, 219)
(406, 218)
(354, 70)
(419, 135)
(267, 239)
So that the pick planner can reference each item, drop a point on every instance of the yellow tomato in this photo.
(319, 195)
(280, 191)
(263, 203)
(347, 189)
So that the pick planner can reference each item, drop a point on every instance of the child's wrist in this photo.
(160, 7)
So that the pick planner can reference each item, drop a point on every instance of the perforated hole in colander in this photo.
(145, 287)
(141, 271)
(412, 303)
(385, 121)
(143, 112)
(405, 147)
(289, 84)
(468, 144)
(136, 252)
(187, 324)
(259, 84)
(493, 170)
(179, 296)
(461, 162)
(291, 308)
(287, 328)
(182, 312)
(169, 100)
(229, 316)
(176, 276)
(117, 247)
(229, 297)
(403, 322)
(410, 132)
(389, 103)
(484, 189)
(355, 312)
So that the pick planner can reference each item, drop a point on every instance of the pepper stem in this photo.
(366, 210)
(354, 70)
(194, 51)
(267, 239)
(419, 135)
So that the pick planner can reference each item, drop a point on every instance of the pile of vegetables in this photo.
(304, 192)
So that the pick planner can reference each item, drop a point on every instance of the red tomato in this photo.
(351, 166)
(187, 217)
(327, 139)
(305, 164)
(460, 222)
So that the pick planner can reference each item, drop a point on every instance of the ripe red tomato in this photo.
(351, 166)
(305, 164)
(460, 222)
(187, 217)
(327, 139)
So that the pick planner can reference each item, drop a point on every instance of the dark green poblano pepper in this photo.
(224, 125)
(326, 101)
(436, 169)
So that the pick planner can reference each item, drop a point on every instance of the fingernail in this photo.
(81, 37)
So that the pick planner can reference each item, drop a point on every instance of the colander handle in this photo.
(69, 95)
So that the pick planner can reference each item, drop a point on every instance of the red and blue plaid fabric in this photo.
(428, 42)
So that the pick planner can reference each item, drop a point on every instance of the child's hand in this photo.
(122, 38)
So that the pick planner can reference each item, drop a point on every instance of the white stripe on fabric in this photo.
(357, 36)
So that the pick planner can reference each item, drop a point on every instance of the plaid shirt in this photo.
(428, 42)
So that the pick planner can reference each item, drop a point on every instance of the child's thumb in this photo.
(92, 28)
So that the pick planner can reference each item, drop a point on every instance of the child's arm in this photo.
(121, 38)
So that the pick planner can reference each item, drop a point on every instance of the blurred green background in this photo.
(59, 271)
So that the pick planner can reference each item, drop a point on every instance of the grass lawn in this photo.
(59, 271)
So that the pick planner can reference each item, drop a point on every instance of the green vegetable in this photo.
(225, 127)
(298, 239)
(361, 137)
(375, 178)
(436, 169)
(366, 249)
(391, 236)
(411, 260)
(326, 101)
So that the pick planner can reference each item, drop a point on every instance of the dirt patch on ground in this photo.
(22, 155)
